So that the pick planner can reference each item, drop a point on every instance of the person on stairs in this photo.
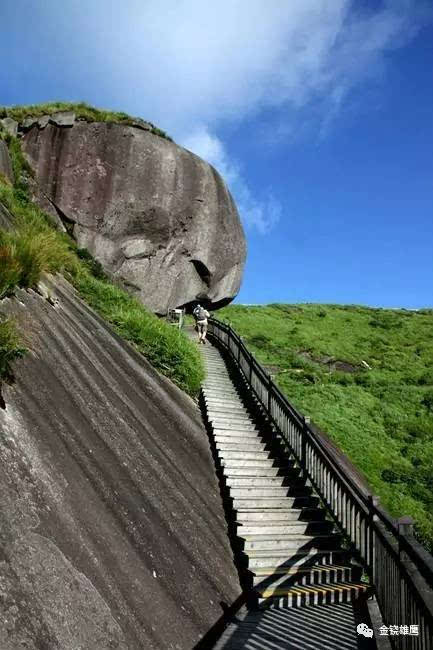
(201, 315)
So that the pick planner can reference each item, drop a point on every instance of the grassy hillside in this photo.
(34, 247)
(365, 376)
(81, 109)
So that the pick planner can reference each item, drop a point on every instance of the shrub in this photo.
(426, 379)
(420, 428)
(427, 400)
(385, 321)
(259, 340)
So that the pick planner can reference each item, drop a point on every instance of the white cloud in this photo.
(207, 62)
(260, 214)
(185, 63)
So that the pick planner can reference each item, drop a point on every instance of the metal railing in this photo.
(400, 569)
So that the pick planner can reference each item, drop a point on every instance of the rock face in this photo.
(112, 529)
(9, 125)
(157, 217)
(5, 162)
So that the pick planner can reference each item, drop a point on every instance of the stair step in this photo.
(260, 503)
(220, 394)
(255, 463)
(238, 454)
(246, 445)
(281, 528)
(257, 492)
(278, 515)
(287, 541)
(227, 410)
(225, 433)
(222, 397)
(236, 417)
(234, 426)
(258, 472)
(211, 397)
(253, 441)
(266, 577)
(277, 558)
(239, 436)
(312, 595)
(223, 403)
(265, 481)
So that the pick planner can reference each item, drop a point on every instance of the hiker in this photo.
(201, 315)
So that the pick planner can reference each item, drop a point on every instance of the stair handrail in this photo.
(400, 569)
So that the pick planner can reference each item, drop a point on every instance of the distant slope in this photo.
(381, 417)
(112, 532)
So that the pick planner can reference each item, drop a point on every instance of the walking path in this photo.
(305, 590)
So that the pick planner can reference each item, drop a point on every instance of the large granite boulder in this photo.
(157, 217)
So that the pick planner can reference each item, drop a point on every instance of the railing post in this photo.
(405, 528)
(373, 502)
(270, 386)
(303, 450)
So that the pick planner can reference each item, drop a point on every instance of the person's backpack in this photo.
(199, 313)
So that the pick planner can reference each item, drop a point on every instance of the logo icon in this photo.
(363, 629)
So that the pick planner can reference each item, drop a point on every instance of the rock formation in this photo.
(112, 530)
(5, 162)
(157, 217)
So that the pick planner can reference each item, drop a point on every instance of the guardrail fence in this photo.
(400, 569)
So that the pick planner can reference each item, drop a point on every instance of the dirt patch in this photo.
(331, 363)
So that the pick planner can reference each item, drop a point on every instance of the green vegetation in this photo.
(34, 247)
(163, 345)
(365, 376)
(10, 348)
(82, 110)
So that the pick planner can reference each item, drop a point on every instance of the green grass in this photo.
(10, 348)
(381, 418)
(167, 348)
(34, 247)
(81, 109)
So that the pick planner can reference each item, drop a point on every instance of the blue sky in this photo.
(318, 113)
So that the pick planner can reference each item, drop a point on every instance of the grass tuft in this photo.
(10, 348)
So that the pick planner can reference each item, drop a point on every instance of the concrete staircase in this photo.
(289, 554)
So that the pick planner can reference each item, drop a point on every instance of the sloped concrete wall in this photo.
(112, 533)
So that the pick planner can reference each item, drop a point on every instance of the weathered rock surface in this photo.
(5, 162)
(112, 532)
(9, 125)
(156, 216)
